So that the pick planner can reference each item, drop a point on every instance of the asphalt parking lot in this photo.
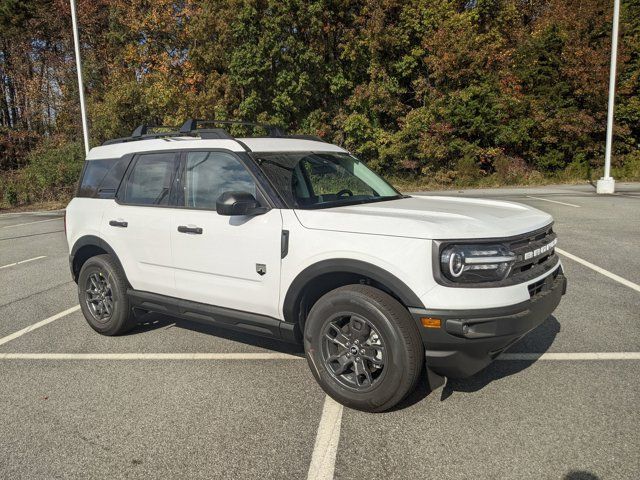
(174, 399)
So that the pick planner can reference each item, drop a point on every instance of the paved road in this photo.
(244, 416)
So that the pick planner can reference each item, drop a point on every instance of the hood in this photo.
(437, 218)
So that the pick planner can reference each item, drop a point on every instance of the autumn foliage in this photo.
(449, 92)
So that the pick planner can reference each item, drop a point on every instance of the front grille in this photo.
(523, 268)
(536, 288)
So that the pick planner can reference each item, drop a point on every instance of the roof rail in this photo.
(213, 133)
(190, 129)
(191, 126)
(143, 132)
(144, 129)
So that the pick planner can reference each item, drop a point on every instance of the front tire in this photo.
(363, 348)
(102, 291)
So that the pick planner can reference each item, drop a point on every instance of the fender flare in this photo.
(92, 241)
(346, 265)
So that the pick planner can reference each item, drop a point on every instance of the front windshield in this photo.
(321, 180)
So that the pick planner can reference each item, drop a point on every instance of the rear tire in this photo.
(363, 348)
(102, 291)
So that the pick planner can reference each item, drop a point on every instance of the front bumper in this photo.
(468, 340)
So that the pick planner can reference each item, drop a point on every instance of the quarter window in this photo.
(150, 180)
(100, 178)
(209, 174)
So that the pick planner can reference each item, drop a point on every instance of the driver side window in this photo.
(209, 174)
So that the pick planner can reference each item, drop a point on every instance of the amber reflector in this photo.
(429, 322)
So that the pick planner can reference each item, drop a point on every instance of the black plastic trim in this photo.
(284, 244)
(237, 320)
(470, 339)
(87, 241)
(345, 265)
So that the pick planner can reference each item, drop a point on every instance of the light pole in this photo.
(83, 112)
(607, 184)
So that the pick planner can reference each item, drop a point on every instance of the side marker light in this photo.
(429, 322)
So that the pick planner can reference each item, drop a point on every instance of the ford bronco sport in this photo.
(294, 238)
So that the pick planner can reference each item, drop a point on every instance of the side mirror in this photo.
(238, 203)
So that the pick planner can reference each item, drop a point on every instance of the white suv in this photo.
(294, 238)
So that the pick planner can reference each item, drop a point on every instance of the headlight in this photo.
(476, 263)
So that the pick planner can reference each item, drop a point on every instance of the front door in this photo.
(227, 261)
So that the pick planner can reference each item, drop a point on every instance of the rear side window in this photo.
(149, 182)
(100, 178)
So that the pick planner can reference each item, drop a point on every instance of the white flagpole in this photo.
(83, 111)
(607, 184)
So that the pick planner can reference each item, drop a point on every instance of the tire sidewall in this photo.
(395, 353)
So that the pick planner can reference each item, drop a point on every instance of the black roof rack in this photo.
(192, 124)
(191, 128)
(144, 131)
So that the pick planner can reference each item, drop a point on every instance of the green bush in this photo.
(53, 170)
(468, 169)
(9, 193)
(629, 168)
(51, 174)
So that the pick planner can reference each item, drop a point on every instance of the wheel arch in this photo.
(89, 246)
(319, 278)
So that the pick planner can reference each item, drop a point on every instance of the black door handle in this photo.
(117, 223)
(185, 229)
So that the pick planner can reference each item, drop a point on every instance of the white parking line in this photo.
(572, 356)
(29, 223)
(553, 201)
(22, 261)
(148, 356)
(41, 323)
(323, 460)
(286, 356)
(598, 269)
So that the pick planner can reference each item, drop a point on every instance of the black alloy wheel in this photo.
(353, 352)
(99, 296)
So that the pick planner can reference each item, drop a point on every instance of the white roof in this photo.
(262, 144)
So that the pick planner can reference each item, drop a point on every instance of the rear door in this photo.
(227, 261)
(137, 224)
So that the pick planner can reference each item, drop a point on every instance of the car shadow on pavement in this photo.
(155, 321)
(580, 475)
(538, 340)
